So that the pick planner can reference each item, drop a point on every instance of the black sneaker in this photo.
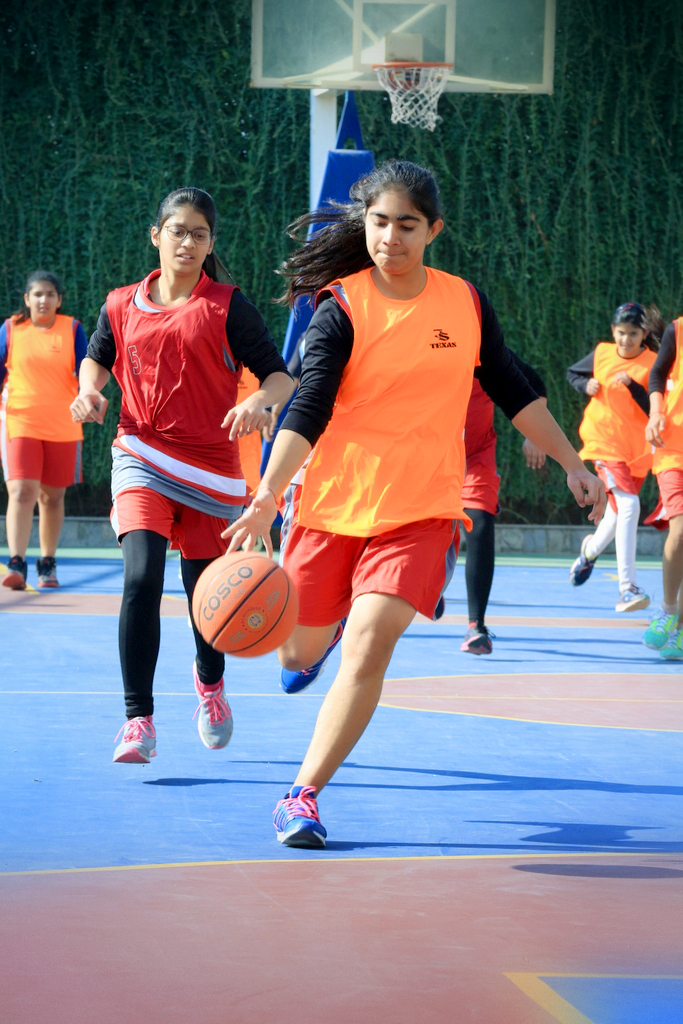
(477, 640)
(15, 577)
(47, 571)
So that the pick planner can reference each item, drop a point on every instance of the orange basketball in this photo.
(245, 604)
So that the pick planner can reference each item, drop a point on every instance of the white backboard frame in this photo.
(355, 71)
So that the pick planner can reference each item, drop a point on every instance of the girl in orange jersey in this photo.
(40, 354)
(369, 536)
(615, 376)
(665, 431)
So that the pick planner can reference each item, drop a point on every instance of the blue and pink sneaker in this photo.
(295, 682)
(296, 819)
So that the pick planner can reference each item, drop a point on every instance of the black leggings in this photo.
(479, 563)
(144, 563)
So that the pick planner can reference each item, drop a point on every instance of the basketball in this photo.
(245, 604)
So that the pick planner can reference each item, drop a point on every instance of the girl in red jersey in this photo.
(390, 357)
(615, 376)
(40, 354)
(480, 501)
(176, 343)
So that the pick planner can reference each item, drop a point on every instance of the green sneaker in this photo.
(673, 648)
(659, 630)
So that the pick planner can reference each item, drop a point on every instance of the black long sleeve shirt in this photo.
(664, 361)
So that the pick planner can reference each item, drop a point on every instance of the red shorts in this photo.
(481, 486)
(617, 474)
(330, 570)
(194, 533)
(670, 502)
(54, 463)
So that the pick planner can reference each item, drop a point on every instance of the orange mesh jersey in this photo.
(671, 455)
(613, 425)
(41, 382)
(250, 445)
(393, 451)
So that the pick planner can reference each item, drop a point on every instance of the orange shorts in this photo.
(481, 487)
(330, 570)
(195, 534)
(670, 503)
(54, 463)
(617, 474)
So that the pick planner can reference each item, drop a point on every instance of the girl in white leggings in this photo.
(615, 376)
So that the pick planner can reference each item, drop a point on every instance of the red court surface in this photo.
(406, 941)
(505, 842)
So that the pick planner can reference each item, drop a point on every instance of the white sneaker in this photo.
(632, 600)
(215, 717)
(139, 742)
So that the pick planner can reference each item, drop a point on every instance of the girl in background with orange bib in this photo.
(370, 534)
(40, 354)
(615, 376)
(665, 431)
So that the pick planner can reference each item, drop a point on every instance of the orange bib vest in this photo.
(671, 455)
(613, 425)
(251, 445)
(41, 381)
(393, 451)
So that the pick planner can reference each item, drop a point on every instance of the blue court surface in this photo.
(509, 827)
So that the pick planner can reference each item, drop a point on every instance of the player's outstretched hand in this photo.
(655, 428)
(89, 407)
(588, 490)
(249, 415)
(254, 522)
(535, 456)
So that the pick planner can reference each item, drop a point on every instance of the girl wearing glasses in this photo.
(40, 354)
(176, 344)
(391, 353)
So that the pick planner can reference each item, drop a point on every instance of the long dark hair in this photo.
(201, 202)
(23, 314)
(646, 317)
(338, 249)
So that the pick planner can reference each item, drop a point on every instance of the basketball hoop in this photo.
(414, 90)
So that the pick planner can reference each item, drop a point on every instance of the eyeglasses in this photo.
(177, 233)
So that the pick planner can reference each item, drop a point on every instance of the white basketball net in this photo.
(414, 91)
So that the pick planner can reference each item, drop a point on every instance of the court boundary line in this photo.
(448, 857)
(532, 985)
(529, 721)
(546, 997)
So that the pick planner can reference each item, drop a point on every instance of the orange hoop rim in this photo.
(413, 64)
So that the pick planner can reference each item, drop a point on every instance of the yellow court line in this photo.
(505, 675)
(450, 857)
(637, 977)
(514, 696)
(29, 588)
(542, 994)
(534, 721)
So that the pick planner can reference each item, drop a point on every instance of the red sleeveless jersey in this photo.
(177, 375)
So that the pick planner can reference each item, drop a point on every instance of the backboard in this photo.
(494, 45)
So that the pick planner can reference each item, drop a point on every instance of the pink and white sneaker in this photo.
(215, 717)
(139, 742)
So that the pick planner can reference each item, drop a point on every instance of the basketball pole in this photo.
(323, 122)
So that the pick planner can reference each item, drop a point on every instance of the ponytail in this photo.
(655, 324)
(214, 269)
